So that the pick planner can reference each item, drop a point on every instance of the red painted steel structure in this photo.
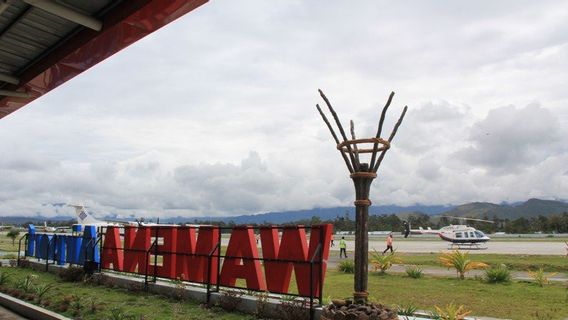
(127, 23)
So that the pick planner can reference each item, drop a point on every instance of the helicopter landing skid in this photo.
(469, 246)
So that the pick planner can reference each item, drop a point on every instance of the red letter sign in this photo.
(242, 245)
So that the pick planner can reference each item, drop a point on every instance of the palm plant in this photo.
(384, 262)
(451, 312)
(42, 290)
(540, 277)
(461, 262)
(4, 278)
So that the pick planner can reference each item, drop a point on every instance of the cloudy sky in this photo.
(215, 113)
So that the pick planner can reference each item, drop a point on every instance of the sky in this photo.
(214, 114)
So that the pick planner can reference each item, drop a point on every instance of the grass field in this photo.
(517, 262)
(151, 307)
(517, 300)
(6, 243)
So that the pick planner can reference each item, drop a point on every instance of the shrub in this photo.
(13, 234)
(540, 277)
(26, 284)
(119, 314)
(230, 299)
(451, 312)
(96, 279)
(24, 263)
(346, 266)
(295, 308)
(461, 262)
(42, 290)
(72, 274)
(499, 274)
(261, 304)
(384, 262)
(414, 272)
(4, 278)
(406, 310)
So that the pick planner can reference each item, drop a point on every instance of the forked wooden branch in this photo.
(391, 137)
(379, 130)
(334, 137)
(334, 114)
(355, 148)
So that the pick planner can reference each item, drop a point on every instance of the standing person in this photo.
(332, 244)
(342, 247)
(389, 243)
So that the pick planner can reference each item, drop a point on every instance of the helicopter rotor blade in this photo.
(473, 219)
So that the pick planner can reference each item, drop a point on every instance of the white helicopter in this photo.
(460, 236)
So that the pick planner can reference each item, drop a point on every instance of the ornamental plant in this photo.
(540, 277)
(499, 274)
(461, 262)
(382, 262)
(451, 312)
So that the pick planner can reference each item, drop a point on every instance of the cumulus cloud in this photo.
(510, 139)
(155, 131)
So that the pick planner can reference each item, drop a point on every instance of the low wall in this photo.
(28, 310)
(198, 293)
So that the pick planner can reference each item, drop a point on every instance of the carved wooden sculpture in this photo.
(362, 174)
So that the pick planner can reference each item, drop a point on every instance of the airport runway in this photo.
(501, 247)
(434, 245)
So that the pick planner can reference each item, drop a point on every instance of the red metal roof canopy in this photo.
(43, 44)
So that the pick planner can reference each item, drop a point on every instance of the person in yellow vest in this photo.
(389, 243)
(342, 248)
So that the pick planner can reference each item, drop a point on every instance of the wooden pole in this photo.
(362, 181)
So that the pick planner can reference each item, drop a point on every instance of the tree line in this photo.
(390, 222)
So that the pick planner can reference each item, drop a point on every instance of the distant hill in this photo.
(322, 213)
(530, 208)
(34, 219)
(527, 209)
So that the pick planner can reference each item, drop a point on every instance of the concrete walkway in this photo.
(9, 315)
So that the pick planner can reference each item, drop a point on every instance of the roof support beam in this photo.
(9, 78)
(67, 13)
(17, 94)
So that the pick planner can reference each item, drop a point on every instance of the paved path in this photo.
(9, 315)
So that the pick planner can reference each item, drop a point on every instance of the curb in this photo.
(28, 310)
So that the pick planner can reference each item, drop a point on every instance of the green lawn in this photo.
(514, 262)
(151, 307)
(6, 243)
(517, 300)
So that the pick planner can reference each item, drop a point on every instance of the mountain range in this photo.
(527, 209)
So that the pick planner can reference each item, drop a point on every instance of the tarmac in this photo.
(528, 247)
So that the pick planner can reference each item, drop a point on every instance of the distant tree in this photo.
(13, 234)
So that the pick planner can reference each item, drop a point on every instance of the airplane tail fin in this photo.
(83, 217)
